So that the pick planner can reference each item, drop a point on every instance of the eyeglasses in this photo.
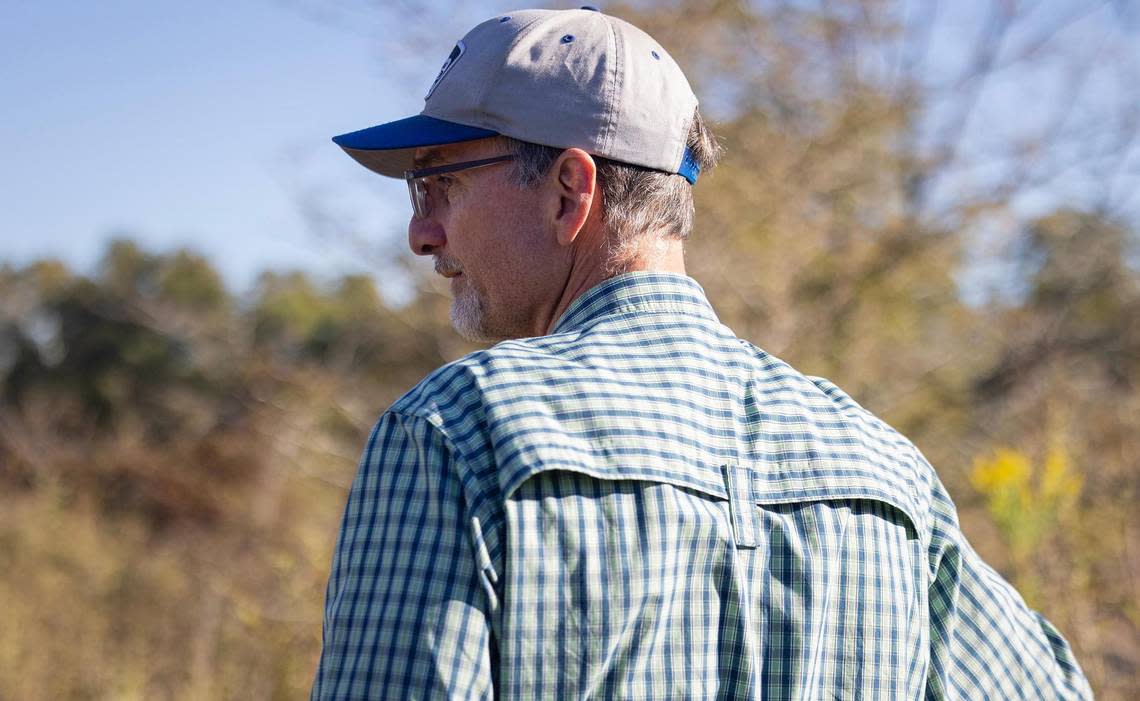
(419, 185)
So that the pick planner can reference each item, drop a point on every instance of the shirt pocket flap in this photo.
(607, 458)
(752, 482)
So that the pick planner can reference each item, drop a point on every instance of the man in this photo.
(622, 499)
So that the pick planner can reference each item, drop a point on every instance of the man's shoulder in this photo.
(605, 398)
(460, 384)
(817, 443)
(566, 365)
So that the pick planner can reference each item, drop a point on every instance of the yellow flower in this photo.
(1059, 484)
(1007, 469)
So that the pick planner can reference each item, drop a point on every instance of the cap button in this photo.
(589, 7)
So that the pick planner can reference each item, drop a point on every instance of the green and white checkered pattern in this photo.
(640, 505)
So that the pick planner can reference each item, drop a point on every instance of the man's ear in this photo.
(572, 190)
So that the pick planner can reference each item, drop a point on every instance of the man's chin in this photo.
(468, 320)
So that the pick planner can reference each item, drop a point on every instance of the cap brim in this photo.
(388, 149)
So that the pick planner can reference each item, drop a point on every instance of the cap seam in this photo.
(618, 73)
(680, 157)
(480, 102)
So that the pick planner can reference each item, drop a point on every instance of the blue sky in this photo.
(201, 124)
(207, 124)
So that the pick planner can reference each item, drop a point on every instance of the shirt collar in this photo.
(637, 291)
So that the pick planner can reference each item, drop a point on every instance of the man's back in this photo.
(641, 505)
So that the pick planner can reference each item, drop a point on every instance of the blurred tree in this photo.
(287, 313)
(1082, 299)
(174, 459)
(188, 281)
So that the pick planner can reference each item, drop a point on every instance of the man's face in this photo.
(489, 237)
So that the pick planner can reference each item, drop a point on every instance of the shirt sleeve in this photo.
(985, 641)
(406, 615)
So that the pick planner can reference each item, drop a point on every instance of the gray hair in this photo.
(635, 200)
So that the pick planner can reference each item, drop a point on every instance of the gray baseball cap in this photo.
(562, 78)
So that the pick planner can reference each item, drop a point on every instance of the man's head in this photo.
(550, 142)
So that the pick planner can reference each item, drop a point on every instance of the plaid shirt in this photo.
(640, 505)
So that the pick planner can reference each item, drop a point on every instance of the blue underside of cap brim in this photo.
(412, 132)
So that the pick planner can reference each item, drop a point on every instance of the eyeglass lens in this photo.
(417, 191)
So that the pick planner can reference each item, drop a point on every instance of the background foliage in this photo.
(174, 458)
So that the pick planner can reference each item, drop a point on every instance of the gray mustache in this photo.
(447, 267)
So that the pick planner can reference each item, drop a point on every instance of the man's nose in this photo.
(425, 236)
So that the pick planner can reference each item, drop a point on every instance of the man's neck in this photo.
(653, 253)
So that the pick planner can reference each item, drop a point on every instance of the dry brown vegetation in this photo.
(174, 460)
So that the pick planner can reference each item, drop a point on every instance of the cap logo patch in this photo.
(455, 55)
